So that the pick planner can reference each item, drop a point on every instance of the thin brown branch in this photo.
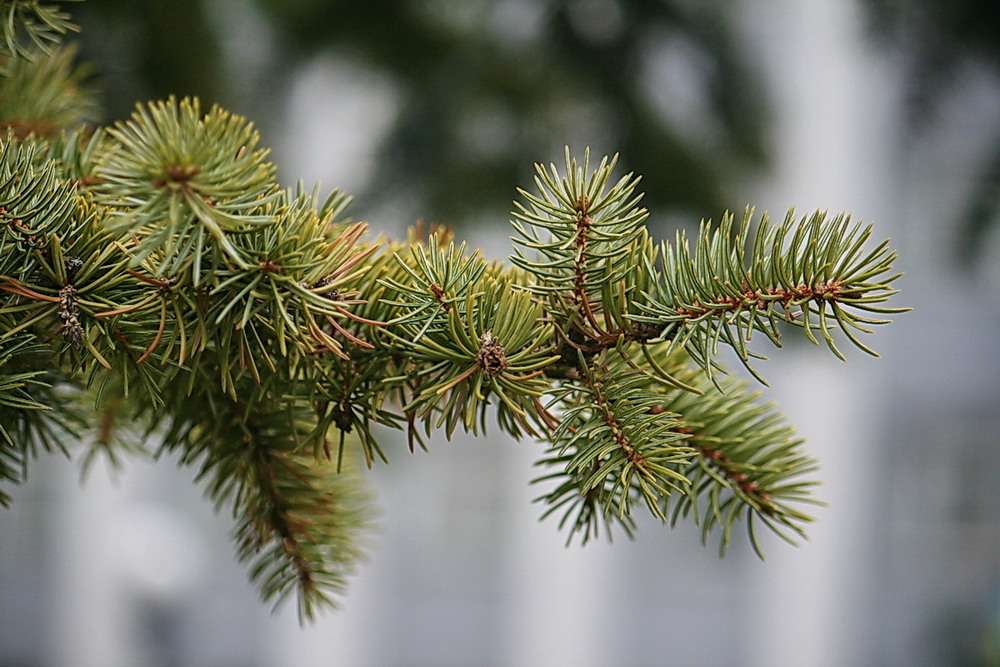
(730, 469)
(762, 299)
(608, 415)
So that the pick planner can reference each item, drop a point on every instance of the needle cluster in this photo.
(157, 285)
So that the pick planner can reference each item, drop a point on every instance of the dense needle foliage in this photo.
(156, 283)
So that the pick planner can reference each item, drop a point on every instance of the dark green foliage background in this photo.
(444, 68)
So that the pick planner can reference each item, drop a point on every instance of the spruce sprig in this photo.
(28, 27)
(728, 458)
(180, 183)
(35, 201)
(493, 344)
(614, 445)
(576, 237)
(39, 410)
(153, 272)
(814, 273)
(298, 516)
(46, 94)
(747, 464)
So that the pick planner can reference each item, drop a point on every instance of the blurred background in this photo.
(889, 109)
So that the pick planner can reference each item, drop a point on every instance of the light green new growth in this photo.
(158, 285)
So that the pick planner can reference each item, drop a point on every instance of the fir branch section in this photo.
(463, 355)
(36, 413)
(614, 445)
(814, 273)
(638, 412)
(156, 270)
(28, 27)
(299, 518)
(718, 457)
(586, 248)
(46, 94)
(747, 464)
(182, 183)
(231, 363)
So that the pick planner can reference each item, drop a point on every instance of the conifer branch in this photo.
(29, 26)
(45, 95)
(37, 408)
(298, 517)
(812, 273)
(154, 272)
(613, 446)
(748, 464)
(182, 183)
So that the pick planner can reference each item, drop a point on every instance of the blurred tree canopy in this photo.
(940, 40)
(485, 87)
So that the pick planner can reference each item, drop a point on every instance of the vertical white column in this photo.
(89, 622)
(557, 598)
(344, 636)
(811, 603)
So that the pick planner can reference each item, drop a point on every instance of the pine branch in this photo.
(613, 446)
(158, 265)
(35, 415)
(718, 455)
(34, 201)
(45, 94)
(298, 517)
(735, 460)
(576, 239)
(748, 465)
(493, 343)
(29, 26)
(813, 273)
(181, 183)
